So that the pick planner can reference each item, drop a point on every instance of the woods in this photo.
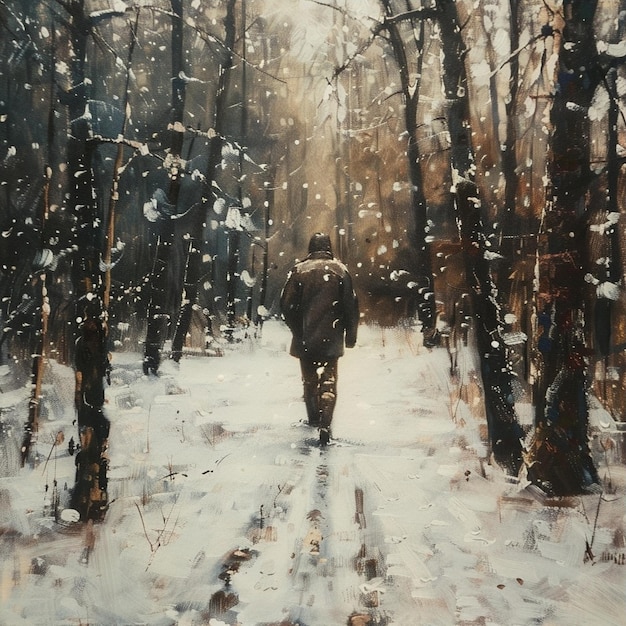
(163, 163)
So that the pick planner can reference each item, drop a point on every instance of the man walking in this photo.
(322, 311)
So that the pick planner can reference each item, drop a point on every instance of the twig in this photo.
(162, 532)
(280, 489)
(58, 440)
(595, 521)
(606, 460)
(589, 544)
(45, 465)
(144, 528)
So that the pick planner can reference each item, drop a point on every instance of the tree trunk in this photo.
(196, 229)
(234, 232)
(509, 157)
(610, 274)
(560, 461)
(158, 315)
(504, 431)
(86, 272)
(90, 357)
(341, 150)
(117, 168)
(512, 231)
(41, 337)
(410, 90)
(268, 205)
(232, 272)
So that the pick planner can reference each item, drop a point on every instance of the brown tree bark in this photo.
(559, 457)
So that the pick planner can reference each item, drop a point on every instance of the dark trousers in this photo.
(320, 390)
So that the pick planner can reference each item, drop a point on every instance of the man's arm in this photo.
(290, 301)
(351, 311)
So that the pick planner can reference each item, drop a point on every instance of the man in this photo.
(321, 310)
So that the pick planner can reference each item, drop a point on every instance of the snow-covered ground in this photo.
(225, 511)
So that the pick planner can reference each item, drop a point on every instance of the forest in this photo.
(164, 163)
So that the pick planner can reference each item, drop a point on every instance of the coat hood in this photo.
(320, 242)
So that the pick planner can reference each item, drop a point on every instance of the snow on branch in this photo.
(140, 147)
(615, 50)
(211, 133)
(118, 7)
(612, 219)
(604, 289)
(188, 79)
(381, 25)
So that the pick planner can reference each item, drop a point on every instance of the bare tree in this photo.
(410, 81)
(504, 430)
(559, 457)
(90, 354)
(215, 143)
(158, 316)
(42, 260)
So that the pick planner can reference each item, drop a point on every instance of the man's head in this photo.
(320, 242)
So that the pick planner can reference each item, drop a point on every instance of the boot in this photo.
(324, 436)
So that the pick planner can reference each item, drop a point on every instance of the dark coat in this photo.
(320, 307)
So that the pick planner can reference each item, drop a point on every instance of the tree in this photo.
(504, 430)
(158, 316)
(559, 458)
(41, 262)
(215, 141)
(605, 233)
(234, 216)
(26, 70)
(410, 81)
(117, 172)
(82, 245)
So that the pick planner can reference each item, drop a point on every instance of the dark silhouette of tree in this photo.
(410, 79)
(267, 205)
(607, 278)
(504, 430)
(117, 171)
(41, 268)
(197, 225)
(559, 457)
(158, 316)
(235, 213)
(90, 354)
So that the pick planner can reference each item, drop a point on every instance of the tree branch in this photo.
(382, 25)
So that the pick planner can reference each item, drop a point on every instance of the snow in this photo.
(225, 511)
